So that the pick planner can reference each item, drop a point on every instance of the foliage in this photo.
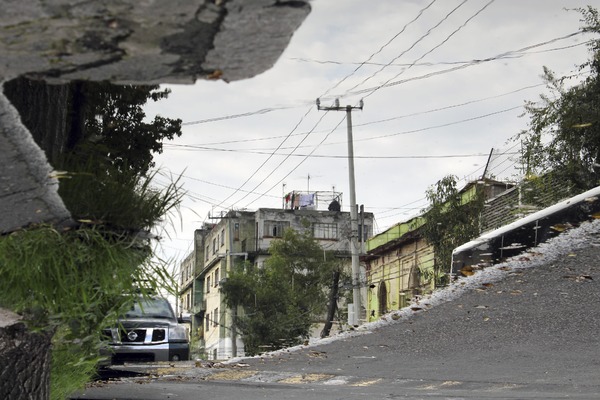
(564, 128)
(107, 168)
(130, 203)
(115, 132)
(70, 367)
(282, 299)
(451, 219)
(71, 281)
(545, 190)
(73, 284)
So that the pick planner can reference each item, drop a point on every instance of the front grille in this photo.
(133, 336)
(107, 334)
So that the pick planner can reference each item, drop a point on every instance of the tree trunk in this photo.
(24, 360)
(46, 111)
(332, 306)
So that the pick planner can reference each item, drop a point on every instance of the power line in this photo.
(332, 89)
(391, 83)
(410, 47)
(474, 101)
(509, 55)
(360, 65)
(301, 162)
(435, 47)
(268, 158)
(462, 64)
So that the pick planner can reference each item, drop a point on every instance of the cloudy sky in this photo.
(443, 82)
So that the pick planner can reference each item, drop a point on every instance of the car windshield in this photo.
(153, 308)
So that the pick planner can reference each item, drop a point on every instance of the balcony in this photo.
(199, 307)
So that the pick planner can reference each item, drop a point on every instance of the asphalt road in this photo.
(531, 335)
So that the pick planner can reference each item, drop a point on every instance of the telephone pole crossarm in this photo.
(354, 242)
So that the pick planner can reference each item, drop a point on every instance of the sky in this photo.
(442, 83)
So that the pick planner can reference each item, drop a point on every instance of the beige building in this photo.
(240, 236)
(399, 264)
(399, 261)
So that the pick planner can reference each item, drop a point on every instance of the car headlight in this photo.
(178, 333)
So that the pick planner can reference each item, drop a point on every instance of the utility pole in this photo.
(353, 210)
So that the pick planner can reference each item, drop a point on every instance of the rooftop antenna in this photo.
(487, 165)
(283, 197)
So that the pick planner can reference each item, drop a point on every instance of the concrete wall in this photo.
(398, 274)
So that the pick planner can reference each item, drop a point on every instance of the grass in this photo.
(71, 281)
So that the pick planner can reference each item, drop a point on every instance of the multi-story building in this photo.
(400, 262)
(241, 236)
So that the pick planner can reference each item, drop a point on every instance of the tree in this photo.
(67, 283)
(283, 299)
(81, 120)
(114, 126)
(564, 127)
(451, 219)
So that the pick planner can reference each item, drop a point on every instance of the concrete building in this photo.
(399, 266)
(400, 262)
(245, 236)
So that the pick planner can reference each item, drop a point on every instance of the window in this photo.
(236, 231)
(208, 284)
(325, 231)
(216, 317)
(214, 245)
(223, 237)
(207, 249)
(207, 321)
(275, 228)
(364, 234)
(216, 277)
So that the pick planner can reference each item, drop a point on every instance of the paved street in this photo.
(531, 335)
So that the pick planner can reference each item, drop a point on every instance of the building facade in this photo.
(399, 266)
(245, 236)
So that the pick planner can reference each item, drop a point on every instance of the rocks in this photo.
(131, 41)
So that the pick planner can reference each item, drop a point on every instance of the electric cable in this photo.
(410, 47)
(434, 48)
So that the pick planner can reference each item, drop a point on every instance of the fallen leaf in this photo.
(515, 292)
(583, 125)
(486, 318)
(561, 227)
(467, 271)
(60, 174)
(579, 278)
(216, 74)
(487, 284)
(416, 308)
